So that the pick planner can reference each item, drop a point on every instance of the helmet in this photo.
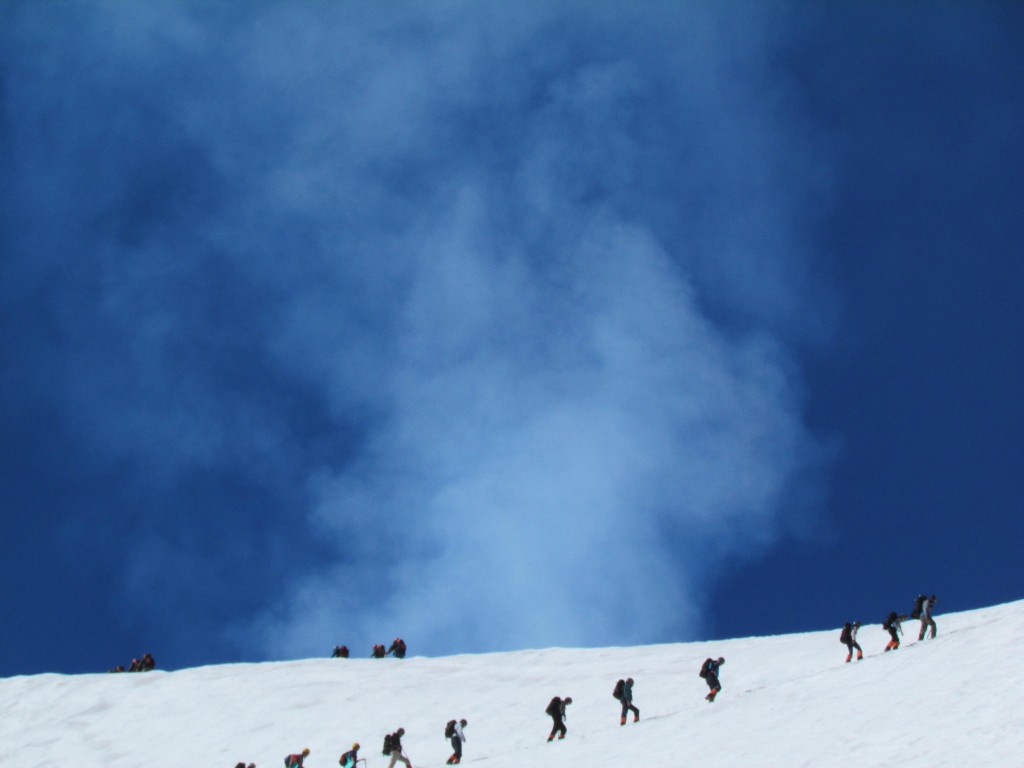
(305, 750)
(463, 723)
(400, 731)
(356, 745)
(629, 680)
(568, 699)
(721, 660)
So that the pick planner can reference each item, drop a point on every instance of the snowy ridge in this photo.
(788, 700)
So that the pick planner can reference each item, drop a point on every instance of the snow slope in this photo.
(786, 701)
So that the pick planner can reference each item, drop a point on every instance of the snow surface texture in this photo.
(788, 700)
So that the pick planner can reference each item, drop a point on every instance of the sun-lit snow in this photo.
(788, 700)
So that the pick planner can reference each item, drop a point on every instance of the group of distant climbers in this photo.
(893, 624)
(454, 731)
(397, 649)
(392, 748)
(144, 664)
(623, 690)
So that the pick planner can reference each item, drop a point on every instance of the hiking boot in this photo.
(636, 718)
(622, 721)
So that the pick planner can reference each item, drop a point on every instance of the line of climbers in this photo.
(392, 748)
(144, 664)
(378, 652)
(455, 733)
(622, 692)
(893, 624)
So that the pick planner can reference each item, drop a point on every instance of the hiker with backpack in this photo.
(849, 637)
(350, 758)
(924, 610)
(296, 760)
(709, 671)
(340, 652)
(378, 651)
(454, 732)
(893, 624)
(393, 747)
(623, 691)
(557, 711)
(397, 648)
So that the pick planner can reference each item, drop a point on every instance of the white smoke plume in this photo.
(541, 270)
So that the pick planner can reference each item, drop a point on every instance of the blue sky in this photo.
(491, 327)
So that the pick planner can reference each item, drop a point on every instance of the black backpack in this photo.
(844, 636)
(617, 691)
(890, 620)
(449, 730)
(918, 605)
(704, 668)
(553, 707)
(387, 745)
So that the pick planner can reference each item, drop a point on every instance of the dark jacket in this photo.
(556, 708)
(627, 692)
(710, 668)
